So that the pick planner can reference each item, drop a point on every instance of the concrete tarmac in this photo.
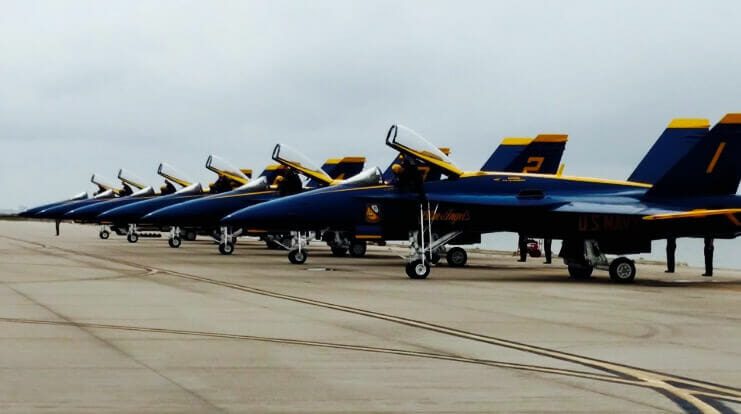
(90, 326)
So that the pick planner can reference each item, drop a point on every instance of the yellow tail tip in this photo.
(689, 123)
(516, 141)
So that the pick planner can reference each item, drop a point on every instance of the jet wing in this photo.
(733, 214)
(615, 207)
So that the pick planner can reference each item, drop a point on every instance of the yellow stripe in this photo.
(714, 161)
(694, 214)
(273, 167)
(368, 237)
(353, 159)
(555, 177)
(516, 141)
(689, 123)
(551, 138)
(333, 161)
(731, 119)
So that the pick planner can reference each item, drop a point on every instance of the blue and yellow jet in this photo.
(692, 195)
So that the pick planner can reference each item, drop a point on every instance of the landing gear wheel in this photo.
(457, 257)
(358, 248)
(435, 259)
(132, 237)
(418, 269)
(190, 235)
(339, 251)
(622, 270)
(174, 242)
(226, 248)
(104, 234)
(297, 257)
(580, 272)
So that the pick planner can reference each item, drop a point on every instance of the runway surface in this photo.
(89, 325)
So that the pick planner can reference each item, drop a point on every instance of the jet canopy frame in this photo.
(294, 159)
(171, 173)
(225, 169)
(410, 143)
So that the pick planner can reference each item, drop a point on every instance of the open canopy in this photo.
(128, 177)
(225, 169)
(299, 162)
(173, 174)
(103, 183)
(414, 145)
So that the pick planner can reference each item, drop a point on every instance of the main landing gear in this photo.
(423, 248)
(582, 257)
(341, 244)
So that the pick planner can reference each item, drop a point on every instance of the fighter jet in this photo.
(694, 197)
(541, 154)
(127, 216)
(55, 211)
(89, 213)
(276, 181)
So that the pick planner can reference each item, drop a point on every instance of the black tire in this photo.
(226, 248)
(435, 259)
(132, 237)
(190, 235)
(174, 242)
(358, 248)
(338, 251)
(456, 257)
(105, 234)
(622, 270)
(418, 269)
(298, 257)
(535, 253)
(580, 272)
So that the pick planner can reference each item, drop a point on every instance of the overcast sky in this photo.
(93, 86)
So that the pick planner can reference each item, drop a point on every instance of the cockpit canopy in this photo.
(173, 174)
(369, 176)
(225, 169)
(412, 144)
(293, 159)
(103, 183)
(127, 177)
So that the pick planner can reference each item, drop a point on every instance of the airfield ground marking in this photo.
(682, 391)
